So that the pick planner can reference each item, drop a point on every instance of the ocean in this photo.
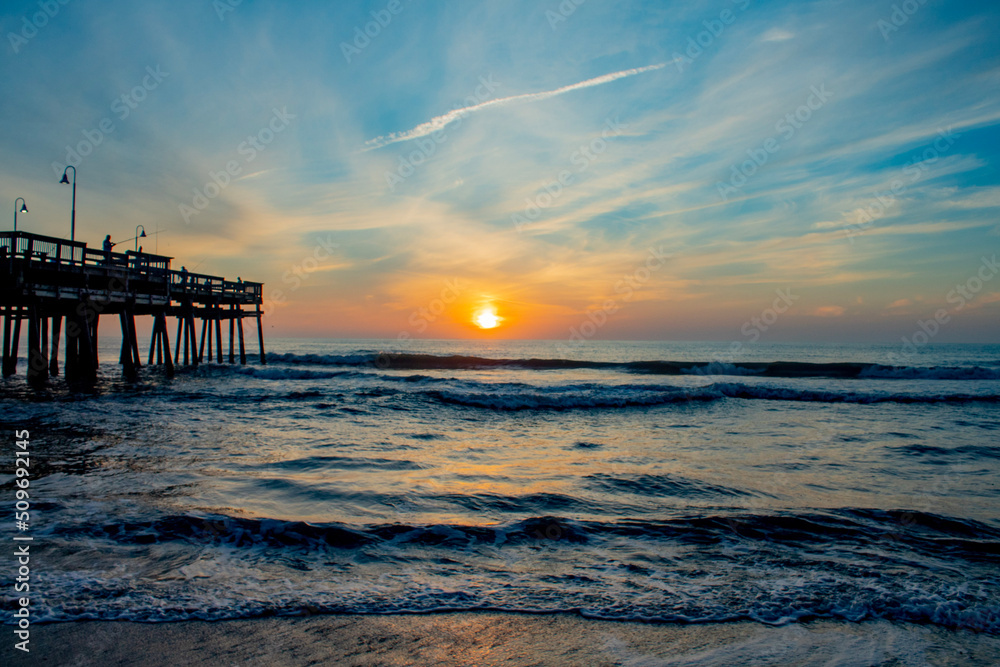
(637, 481)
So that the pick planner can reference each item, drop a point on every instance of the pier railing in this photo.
(44, 248)
(44, 254)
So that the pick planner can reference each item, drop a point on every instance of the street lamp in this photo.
(139, 236)
(23, 209)
(72, 220)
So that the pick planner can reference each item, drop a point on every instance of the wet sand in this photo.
(489, 638)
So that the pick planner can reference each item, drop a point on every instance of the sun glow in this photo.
(487, 318)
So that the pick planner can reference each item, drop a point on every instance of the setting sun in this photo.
(487, 318)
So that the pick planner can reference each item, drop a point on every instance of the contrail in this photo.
(440, 122)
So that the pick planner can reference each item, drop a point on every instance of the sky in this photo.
(726, 170)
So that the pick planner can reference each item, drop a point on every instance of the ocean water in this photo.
(630, 481)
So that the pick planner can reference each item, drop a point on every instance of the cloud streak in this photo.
(442, 121)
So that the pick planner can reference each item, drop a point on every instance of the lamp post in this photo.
(139, 236)
(72, 220)
(23, 209)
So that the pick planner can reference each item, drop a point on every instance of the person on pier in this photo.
(108, 247)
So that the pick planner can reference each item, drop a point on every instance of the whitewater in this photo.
(629, 481)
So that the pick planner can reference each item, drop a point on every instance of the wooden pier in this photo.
(45, 281)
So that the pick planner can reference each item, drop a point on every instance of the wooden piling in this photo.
(232, 332)
(44, 347)
(127, 359)
(54, 358)
(201, 346)
(239, 326)
(177, 342)
(168, 363)
(8, 325)
(37, 366)
(86, 359)
(71, 364)
(15, 343)
(218, 334)
(155, 345)
(260, 336)
(93, 336)
(133, 338)
(193, 337)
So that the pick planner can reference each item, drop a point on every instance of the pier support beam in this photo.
(134, 339)
(232, 332)
(260, 336)
(54, 357)
(204, 334)
(72, 349)
(38, 367)
(44, 349)
(218, 333)
(10, 362)
(8, 330)
(177, 342)
(161, 344)
(193, 336)
(127, 360)
(86, 360)
(239, 326)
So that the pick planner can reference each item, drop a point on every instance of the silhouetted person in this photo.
(184, 277)
(137, 260)
(108, 247)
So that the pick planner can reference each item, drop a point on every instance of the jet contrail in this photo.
(440, 122)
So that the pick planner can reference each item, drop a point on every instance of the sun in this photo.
(487, 318)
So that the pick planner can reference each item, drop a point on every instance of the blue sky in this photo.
(543, 199)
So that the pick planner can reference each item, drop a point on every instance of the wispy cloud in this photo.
(440, 122)
(776, 35)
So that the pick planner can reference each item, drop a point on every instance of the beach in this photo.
(488, 638)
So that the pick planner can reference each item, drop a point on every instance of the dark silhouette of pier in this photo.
(46, 281)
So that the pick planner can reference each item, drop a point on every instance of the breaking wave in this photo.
(776, 369)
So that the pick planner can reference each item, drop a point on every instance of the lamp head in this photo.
(24, 207)
(65, 178)
(143, 234)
